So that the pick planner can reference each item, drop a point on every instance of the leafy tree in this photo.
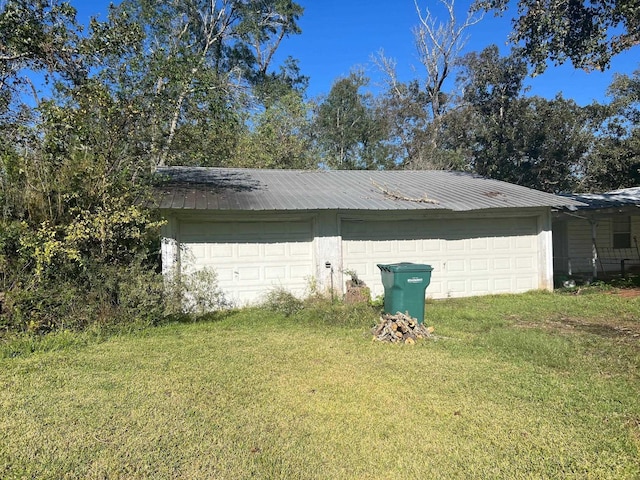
(158, 82)
(533, 142)
(492, 92)
(192, 71)
(280, 137)
(615, 161)
(586, 32)
(36, 35)
(349, 129)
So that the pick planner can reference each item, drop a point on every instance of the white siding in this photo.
(579, 243)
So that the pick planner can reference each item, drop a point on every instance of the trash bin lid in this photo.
(405, 267)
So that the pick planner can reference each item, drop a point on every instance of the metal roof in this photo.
(626, 197)
(200, 188)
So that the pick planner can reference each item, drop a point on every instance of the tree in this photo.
(533, 142)
(280, 137)
(586, 32)
(492, 88)
(615, 161)
(349, 129)
(36, 35)
(416, 108)
(158, 82)
(193, 71)
(439, 46)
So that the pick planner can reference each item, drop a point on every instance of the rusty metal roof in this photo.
(200, 188)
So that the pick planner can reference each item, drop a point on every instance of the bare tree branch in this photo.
(439, 44)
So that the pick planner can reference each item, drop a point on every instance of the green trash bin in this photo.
(404, 288)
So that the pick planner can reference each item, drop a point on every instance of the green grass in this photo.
(527, 386)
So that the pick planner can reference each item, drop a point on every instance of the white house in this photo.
(261, 229)
(600, 237)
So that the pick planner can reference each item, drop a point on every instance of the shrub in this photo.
(194, 293)
(103, 295)
(282, 301)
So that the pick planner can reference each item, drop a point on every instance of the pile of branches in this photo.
(400, 328)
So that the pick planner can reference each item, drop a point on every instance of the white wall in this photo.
(579, 243)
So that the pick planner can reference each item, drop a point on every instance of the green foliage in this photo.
(319, 309)
(36, 35)
(193, 70)
(194, 293)
(98, 294)
(156, 83)
(615, 160)
(282, 301)
(529, 141)
(280, 137)
(588, 33)
(350, 130)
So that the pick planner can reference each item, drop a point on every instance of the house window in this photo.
(621, 232)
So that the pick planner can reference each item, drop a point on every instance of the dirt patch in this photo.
(605, 329)
(625, 331)
(628, 292)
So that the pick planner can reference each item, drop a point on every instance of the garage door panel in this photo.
(524, 283)
(384, 246)
(433, 245)
(408, 247)
(502, 284)
(479, 265)
(469, 257)
(220, 250)
(250, 258)
(456, 265)
(248, 250)
(501, 243)
(481, 286)
(274, 273)
(277, 250)
(248, 274)
(524, 243)
(356, 247)
(479, 244)
(524, 263)
(300, 249)
(456, 245)
(224, 274)
(501, 263)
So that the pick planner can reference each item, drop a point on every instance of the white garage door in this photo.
(250, 258)
(469, 257)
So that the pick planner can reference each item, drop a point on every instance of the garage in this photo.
(262, 229)
(250, 258)
(469, 256)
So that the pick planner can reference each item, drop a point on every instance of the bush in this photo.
(317, 309)
(282, 301)
(195, 293)
(103, 294)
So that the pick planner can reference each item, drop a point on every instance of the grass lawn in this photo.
(518, 386)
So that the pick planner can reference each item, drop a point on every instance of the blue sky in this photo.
(339, 35)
